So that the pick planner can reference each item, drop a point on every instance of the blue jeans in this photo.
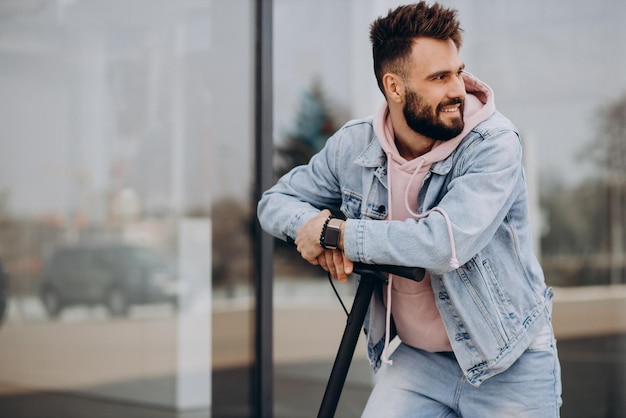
(429, 385)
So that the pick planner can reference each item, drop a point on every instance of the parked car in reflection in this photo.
(116, 275)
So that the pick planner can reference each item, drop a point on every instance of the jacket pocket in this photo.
(491, 299)
(353, 208)
(351, 204)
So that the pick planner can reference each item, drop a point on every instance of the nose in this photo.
(457, 87)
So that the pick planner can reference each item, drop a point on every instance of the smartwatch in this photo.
(331, 233)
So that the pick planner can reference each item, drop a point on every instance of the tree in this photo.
(577, 233)
(585, 241)
(313, 125)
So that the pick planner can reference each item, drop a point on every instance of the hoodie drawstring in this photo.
(384, 357)
(454, 263)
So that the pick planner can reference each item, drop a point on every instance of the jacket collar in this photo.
(374, 156)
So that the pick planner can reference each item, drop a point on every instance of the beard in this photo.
(424, 118)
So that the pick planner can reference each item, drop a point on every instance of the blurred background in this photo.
(127, 208)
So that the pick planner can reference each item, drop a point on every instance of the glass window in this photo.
(125, 173)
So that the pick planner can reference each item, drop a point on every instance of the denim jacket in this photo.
(496, 302)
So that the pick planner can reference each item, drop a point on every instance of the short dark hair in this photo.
(392, 36)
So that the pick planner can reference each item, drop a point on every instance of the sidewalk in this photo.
(594, 380)
(589, 322)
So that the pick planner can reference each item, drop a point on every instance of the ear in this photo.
(394, 87)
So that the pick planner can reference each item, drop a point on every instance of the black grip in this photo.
(412, 273)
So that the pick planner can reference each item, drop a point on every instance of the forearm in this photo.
(403, 243)
(281, 216)
(299, 196)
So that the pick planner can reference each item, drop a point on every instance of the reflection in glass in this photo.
(114, 275)
(117, 141)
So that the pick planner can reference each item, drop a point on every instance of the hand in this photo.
(336, 263)
(308, 245)
(308, 237)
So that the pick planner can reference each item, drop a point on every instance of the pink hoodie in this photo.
(409, 300)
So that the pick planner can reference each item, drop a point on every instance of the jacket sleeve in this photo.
(302, 193)
(487, 180)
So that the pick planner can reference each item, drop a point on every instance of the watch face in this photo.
(331, 238)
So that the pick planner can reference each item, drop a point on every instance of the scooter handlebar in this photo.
(412, 273)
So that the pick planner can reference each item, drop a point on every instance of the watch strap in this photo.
(331, 233)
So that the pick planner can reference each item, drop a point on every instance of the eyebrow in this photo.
(444, 72)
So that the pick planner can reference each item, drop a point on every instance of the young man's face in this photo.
(434, 91)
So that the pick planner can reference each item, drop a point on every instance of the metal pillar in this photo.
(263, 382)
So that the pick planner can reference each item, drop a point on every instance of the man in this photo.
(434, 179)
